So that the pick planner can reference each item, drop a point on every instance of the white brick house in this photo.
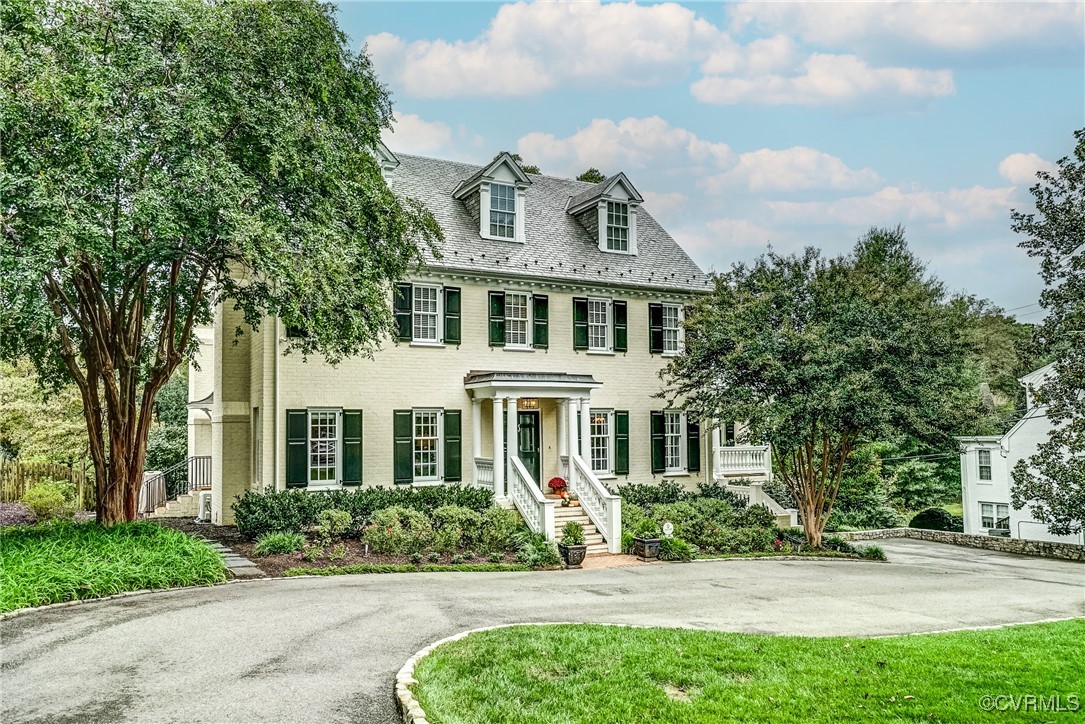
(545, 322)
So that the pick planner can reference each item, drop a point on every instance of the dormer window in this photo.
(502, 211)
(617, 226)
(496, 198)
(608, 211)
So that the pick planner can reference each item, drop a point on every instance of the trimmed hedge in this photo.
(403, 568)
(291, 511)
(937, 519)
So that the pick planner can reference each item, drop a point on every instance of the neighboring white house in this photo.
(986, 466)
(544, 323)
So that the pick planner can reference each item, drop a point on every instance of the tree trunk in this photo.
(812, 474)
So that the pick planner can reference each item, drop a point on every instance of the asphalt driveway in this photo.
(327, 649)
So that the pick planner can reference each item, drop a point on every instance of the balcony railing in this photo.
(738, 460)
(484, 472)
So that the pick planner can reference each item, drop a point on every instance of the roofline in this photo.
(618, 178)
(558, 281)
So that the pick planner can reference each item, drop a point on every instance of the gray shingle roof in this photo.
(557, 247)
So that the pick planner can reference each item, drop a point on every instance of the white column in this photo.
(717, 443)
(476, 428)
(563, 437)
(585, 430)
(512, 434)
(571, 406)
(499, 467)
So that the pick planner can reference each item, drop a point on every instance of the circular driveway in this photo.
(327, 649)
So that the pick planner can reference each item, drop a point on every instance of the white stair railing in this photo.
(754, 493)
(538, 512)
(603, 507)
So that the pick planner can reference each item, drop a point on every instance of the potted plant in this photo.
(572, 545)
(646, 538)
(574, 499)
(557, 485)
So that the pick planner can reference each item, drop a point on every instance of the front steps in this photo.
(183, 507)
(592, 537)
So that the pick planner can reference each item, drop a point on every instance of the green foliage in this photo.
(647, 495)
(937, 519)
(398, 530)
(719, 491)
(36, 424)
(916, 484)
(167, 442)
(456, 527)
(676, 549)
(495, 558)
(627, 540)
(498, 529)
(872, 553)
(739, 540)
(331, 525)
(535, 551)
(757, 516)
(456, 560)
(526, 168)
(405, 568)
(685, 518)
(272, 544)
(835, 543)
(67, 561)
(572, 534)
(592, 176)
(433, 557)
(51, 500)
(647, 528)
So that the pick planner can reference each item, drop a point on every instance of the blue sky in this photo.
(745, 124)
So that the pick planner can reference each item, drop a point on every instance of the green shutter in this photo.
(655, 328)
(297, 442)
(352, 447)
(621, 442)
(580, 323)
(453, 446)
(497, 319)
(659, 464)
(693, 446)
(403, 312)
(540, 305)
(452, 315)
(621, 327)
(403, 464)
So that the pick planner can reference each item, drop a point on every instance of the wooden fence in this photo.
(17, 477)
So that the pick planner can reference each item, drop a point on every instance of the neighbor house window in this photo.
(602, 441)
(427, 444)
(598, 325)
(984, 464)
(617, 226)
(995, 516)
(674, 440)
(323, 447)
(502, 211)
(427, 313)
(516, 319)
(672, 328)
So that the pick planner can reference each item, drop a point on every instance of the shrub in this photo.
(647, 528)
(627, 541)
(535, 551)
(455, 527)
(718, 511)
(719, 491)
(683, 516)
(271, 544)
(572, 534)
(742, 540)
(757, 516)
(676, 549)
(937, 519)
(51, 500)
(398, 530)
(632, 514)
(332, 524)
(495, 558)
(498, 528)
(884, 516)
(416, 558)
(648, 495)
(457, 560)
(873, 553)
(433, 557)
(835, 543)
(779, 492)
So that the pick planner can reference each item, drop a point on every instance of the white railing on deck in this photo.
(743, 460)
(602, 506)
(484, 472)
(538, 512)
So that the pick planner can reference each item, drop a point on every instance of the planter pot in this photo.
(647, 549)
(573, 555)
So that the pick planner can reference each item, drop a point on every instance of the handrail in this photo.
(529, 500)
(484, 472)
(192, 473)
(603, 507)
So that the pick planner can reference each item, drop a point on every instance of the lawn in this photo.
(50, 563)
(585, 673)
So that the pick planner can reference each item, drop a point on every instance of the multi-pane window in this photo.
(984, 464)
(502, 211)
(617, 226)
(323, 446)
(516, 319)
(995, 516)
(672, 328)
(427, 442)
(602, 441)
(427, 309)
(598, 324)
(674, 435)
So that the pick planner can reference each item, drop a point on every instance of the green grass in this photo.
(954, 509)
(57, 562)
(406, 568)
(585, 673)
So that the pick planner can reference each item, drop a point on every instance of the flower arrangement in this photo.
(558, 485)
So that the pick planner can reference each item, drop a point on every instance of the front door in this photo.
(527, 433)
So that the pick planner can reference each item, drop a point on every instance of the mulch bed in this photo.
(275, 565)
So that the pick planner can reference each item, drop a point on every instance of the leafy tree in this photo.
(164, 156)
(1053, 480)
(592, 176)
(526, 168)
(823, 355)
(167, 442)
(863, 500)
(40, 425)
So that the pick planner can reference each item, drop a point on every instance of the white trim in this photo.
(680, 336)
(439, 452)
(529, 319)
(438, 315)
(609, 323)
(683, 444)
(610, 435)
(311, 484)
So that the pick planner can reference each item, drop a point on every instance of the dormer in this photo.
(387, 160)
(496, 196)
(608, 210)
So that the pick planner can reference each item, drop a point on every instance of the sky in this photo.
(746, 124)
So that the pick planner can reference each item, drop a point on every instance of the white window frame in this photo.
(494, 210)
(438, 337)
(980, 465)
(438, 463)
(616, 209)
(990, 512)
(337, 452)
(671, 417)
(679, 334)
(608, 308)
(607, 440)
(529, 307)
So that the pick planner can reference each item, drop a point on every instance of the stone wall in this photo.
(1067, 551)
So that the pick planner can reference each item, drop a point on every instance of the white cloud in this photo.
(1020, 168)
(822, 79)
(665, 205)
(790, 169)
(412, 134)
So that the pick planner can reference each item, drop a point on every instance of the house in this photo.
(530, 349)
(986, 466)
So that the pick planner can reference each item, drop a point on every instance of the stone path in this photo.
(239, 566)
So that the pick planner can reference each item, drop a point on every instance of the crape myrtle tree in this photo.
(1053, 480)
(822, 356)
(162, 157)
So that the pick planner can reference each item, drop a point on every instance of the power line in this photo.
(1026, 306)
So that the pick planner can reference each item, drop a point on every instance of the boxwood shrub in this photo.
(937, 519)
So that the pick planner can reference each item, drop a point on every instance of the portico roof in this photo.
(487, 383)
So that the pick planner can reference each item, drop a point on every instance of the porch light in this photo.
(528, 403)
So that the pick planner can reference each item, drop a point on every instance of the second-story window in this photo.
(984, 464)
(617, 226)
(674, 440)
(516, 319)
(598, 324)
(672, 328)
(502, 211)
(426, 313)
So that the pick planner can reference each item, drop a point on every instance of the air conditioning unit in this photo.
(203, 507)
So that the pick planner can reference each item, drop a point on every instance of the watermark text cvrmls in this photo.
(1030, 702)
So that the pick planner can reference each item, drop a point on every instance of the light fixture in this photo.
(528, 403)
